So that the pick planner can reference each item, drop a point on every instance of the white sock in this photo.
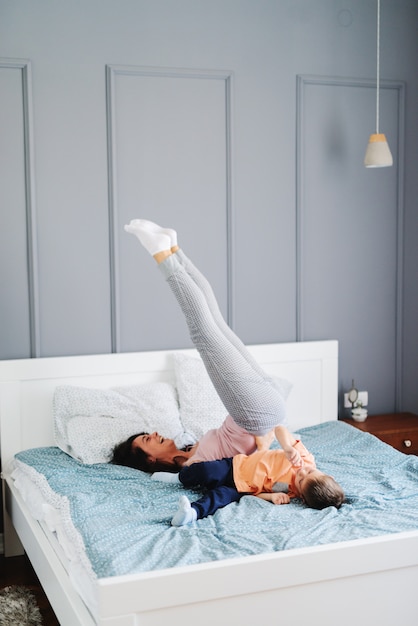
(155, 228)
(166, 477)
(185, 513)
(153, 242)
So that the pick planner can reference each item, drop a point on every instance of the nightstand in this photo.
(399, 430)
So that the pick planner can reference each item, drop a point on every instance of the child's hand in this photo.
(277, 497)
(280, 498)
(293, 456)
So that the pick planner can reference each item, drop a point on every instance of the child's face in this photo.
(304, 477)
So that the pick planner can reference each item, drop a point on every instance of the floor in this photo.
(18, 571)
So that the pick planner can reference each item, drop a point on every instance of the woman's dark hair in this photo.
(125, 454)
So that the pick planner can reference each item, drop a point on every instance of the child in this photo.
(273, 475)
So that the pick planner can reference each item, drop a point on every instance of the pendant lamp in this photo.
(378, 153)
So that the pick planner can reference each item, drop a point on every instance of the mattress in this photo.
(112, 520)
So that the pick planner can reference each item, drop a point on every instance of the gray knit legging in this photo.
(249, 395)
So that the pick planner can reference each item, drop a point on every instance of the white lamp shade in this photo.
(378, 153)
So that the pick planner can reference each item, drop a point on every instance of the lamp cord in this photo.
(378, 67)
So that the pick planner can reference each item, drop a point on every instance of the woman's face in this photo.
(156, 447)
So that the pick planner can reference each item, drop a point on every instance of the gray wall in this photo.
(243, 124)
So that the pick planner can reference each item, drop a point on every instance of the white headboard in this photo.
(27, 385)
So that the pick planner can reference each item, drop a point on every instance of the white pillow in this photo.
(200, 406)
(90, 422)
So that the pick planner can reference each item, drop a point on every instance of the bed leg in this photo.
(12, 544)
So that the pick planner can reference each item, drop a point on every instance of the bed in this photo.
(349, 572)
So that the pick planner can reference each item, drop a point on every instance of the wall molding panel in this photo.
(245, 130)
(20, 135)
(145, 96)
(325, 214)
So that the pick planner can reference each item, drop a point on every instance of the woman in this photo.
(253, 400)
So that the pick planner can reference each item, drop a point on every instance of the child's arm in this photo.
(275, 498)
(287, 441)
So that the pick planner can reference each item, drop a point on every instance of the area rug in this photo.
(18, 607)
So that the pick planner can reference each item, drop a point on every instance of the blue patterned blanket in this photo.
(123, 517)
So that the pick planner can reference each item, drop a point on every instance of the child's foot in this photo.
(166, 477)
(153, 242)
(186, 514)
(155, 228)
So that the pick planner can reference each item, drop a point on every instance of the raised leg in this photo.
(248, 394)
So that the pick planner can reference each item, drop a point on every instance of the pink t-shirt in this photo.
(223, 442)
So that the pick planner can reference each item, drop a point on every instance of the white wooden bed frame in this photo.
(370, 581)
